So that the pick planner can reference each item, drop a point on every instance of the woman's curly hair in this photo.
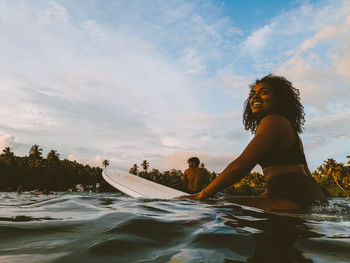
(287, 103)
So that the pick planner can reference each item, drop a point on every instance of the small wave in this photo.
(75, 227)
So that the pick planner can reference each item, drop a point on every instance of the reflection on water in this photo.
(75, 227)
(274, 236)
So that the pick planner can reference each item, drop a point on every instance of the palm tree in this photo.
(134, 169)
(35, 156)
(7, 152)
(145, 165)
(7, 155)
(105, 163)
(53, 156)
(35, 152)
(337, 171)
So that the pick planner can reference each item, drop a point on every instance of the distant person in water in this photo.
(195, 178)
(273, 113)
(19, 189)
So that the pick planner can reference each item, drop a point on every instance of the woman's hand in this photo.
(198, 196)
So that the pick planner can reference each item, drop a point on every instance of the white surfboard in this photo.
(136, 186)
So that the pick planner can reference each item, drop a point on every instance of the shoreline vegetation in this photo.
(34, 172)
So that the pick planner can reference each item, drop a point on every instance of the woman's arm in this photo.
(269, 132)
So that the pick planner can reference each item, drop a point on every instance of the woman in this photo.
(274, 113)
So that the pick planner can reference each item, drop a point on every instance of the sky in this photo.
(162, 81)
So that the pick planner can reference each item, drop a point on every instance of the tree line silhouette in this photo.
(53, 174)
(333, 177)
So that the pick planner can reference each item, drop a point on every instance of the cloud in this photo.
(53, 13)
(341, 61)
(309, 45)
(149, 79)
(192, 61)
(308, 78)
(327, 137)
(93, 28)
(329, 128)
(95, 161)
(235, 84)
(7, 140)
(233, 31)
(119, 90)
(81, 83)
(338, 31)
(257, 40)
(318, 62)
(269, 45)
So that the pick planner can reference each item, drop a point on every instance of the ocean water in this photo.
(105, 227)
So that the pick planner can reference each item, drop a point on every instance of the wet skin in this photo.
(273, 129)
(195, 178)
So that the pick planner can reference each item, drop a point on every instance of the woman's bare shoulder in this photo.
(275, 120)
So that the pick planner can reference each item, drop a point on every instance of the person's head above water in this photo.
(193, 160)
(273, 95)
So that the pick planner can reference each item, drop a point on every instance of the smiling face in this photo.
(261, 101)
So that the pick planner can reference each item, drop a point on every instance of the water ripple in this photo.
(75, 227)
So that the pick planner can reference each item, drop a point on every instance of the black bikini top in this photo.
(292, 155)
